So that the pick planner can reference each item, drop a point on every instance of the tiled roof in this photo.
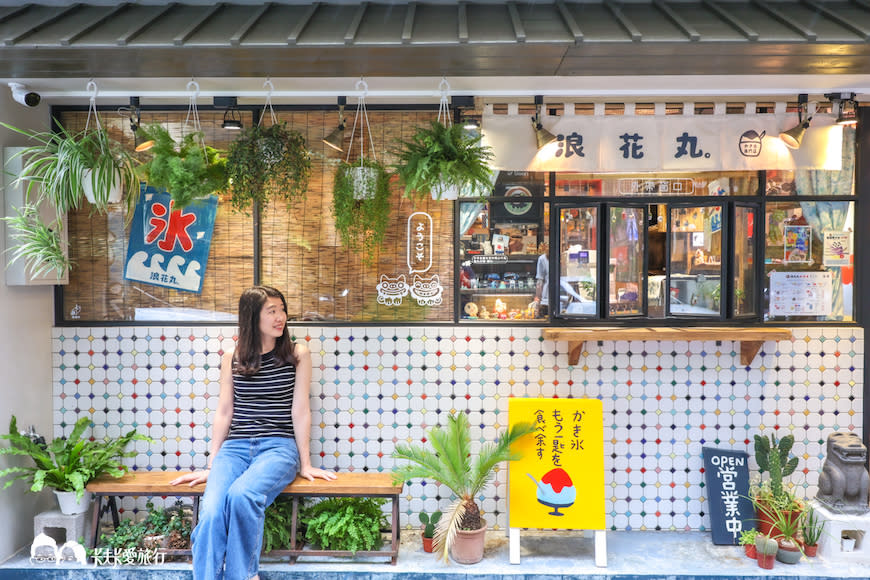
(66, 39)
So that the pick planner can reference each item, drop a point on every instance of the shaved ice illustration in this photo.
(555, 490)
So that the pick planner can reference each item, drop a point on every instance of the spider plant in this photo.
(37, 243)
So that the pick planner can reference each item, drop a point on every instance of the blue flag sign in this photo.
(731, 510)
(168, 246)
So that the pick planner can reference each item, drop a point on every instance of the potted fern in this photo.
(67, 464)
(266, 162)
(442, 160)
(69, 166)
(187, 169)
(361, 223)
(460, 532)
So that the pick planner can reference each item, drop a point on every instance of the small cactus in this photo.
(772, 456)
(429, 523)
(766, 545)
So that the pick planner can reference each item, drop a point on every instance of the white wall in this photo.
(26, 318)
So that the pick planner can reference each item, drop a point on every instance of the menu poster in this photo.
(837, 249)
(801, 293)
(558, 483)
(798, 244)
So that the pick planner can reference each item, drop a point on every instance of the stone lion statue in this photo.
(844, 483)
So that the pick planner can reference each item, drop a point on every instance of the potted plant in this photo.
(766, 547)
(747, 540)
(428, 533)
(67, 464)
(460, 533)
(361, 223)
(187, 169)
(771, 497)
(351, 524)
(812, 528)
(443, 160)
(266, 162)
(68, 166)
(784, 530)
(38, 243)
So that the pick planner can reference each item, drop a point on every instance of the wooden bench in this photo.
(156, 484)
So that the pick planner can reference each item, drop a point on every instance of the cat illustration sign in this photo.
(559, 481)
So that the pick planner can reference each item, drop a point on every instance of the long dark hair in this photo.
(246, 359)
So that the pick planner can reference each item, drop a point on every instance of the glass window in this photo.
(744, 299)
(626, 261)
(657, 185)
(578, 262)
(695, 271)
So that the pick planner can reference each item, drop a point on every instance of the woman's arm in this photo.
(221, 425)
(302, 415)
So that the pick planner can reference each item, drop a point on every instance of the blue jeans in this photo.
(246, 476)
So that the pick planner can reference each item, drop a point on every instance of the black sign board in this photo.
(727, 476)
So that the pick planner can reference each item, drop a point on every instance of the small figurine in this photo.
(500, 309)
(484, 313)
(471, 310)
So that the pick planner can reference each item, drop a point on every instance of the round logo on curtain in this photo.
(517, 207)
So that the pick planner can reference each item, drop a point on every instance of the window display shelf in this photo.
(751, 339)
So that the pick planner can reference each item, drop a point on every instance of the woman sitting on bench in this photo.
(259, 440)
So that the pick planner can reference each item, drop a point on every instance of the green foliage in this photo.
(157, 522)
(345, 523)
(186, 169)
(267, 162)
(747, 537)
(277, 525)
(361, 223)
(812, 527)
(67, 464)
(450, 461)
(441, 154)
(785, 524)
(57, 163)
(773, 456)
(429, 523)
(37, 243)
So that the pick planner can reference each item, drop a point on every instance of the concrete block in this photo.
(52, 523)
(839, 526)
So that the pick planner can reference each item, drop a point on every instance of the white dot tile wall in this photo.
(373, 387)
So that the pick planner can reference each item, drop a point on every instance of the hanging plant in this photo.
(186, 169)
(267, 162)
(361, 223)
(444, 159)
(39, 244)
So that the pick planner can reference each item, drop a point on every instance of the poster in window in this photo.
(798, 244)
(801, 293)
(168, 246)
(837, 249)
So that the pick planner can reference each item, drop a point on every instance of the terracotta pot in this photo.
(427, 543)
(750, 550)
(811, 551)
(468, 545)
(765, 525)
(766, 561)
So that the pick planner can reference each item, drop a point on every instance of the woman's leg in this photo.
(209, 538)
(274, 462)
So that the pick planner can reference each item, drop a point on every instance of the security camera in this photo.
(23, 96)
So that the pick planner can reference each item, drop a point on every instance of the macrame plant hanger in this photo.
(443, 105)
(192, 119)
(268, 105)
(364, 177)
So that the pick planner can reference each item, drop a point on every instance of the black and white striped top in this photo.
(263, 402)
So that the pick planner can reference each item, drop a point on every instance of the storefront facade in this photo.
(383, 375)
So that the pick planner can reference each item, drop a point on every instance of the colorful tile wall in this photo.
(375, 386)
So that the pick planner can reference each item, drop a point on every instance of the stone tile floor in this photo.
(551, 555)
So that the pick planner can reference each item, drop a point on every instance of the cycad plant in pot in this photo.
(67, 464)
(267, 162)
(460, 531)
(187, 169)
(443, 160)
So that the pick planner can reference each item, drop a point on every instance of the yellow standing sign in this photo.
(559, 482)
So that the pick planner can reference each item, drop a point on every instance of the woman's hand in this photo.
(192, 478)
(310, 473)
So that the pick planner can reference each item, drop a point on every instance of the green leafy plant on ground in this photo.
(172, 524)
(67, 463)
(277, 525)
(345, 523)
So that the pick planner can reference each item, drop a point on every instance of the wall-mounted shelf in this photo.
(751, 339)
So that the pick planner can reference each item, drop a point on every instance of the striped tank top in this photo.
(263, 402)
